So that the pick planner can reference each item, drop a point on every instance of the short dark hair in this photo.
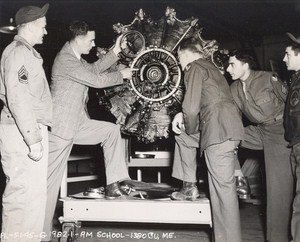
(244, 56)
(192, 44)
(294, 46)
(80, 28)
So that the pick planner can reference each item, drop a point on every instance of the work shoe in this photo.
(242, 187)
(114, 191)
(189, 191)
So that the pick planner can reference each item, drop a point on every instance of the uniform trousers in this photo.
(295, 158)
(279, 177)
(91, 132)
(220, 160)
(24, 198)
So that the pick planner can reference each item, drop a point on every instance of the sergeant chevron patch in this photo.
(23, 75)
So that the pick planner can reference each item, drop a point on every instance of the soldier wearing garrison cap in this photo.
(292, 124)
(25, 118)
(30, 13)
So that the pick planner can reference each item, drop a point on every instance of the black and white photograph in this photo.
(150, 120)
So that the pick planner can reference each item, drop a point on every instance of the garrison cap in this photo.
(30, 13)
(293, 38)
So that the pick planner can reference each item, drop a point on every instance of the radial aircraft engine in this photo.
(145, 105)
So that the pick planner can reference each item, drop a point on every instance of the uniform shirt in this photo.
(262, 98)
(24, 90)
(208, 105)
(71, 79)
(292, 111)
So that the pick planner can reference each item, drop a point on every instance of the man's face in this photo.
(291, 60)
(236, 68)
(39, 29)
(86, 42)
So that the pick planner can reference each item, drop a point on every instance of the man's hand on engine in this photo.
(126, 73)
(121, 43)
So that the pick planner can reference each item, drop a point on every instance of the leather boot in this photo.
(114, 191)
(189, 191)
(242, 187)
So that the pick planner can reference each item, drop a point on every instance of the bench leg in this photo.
(64, 185)
(139, 174)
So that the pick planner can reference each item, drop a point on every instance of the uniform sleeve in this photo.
(194, 78)
(280, 88)
(92, 75)
(234, 92)
(16, 79)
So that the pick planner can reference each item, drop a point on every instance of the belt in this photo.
(272, 121)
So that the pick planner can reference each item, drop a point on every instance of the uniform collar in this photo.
(249, 78)
(188, 67)
(24, 41)
(30, 47)
(296, 76)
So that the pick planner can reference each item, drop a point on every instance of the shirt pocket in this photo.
(263, 100)
(266, 104)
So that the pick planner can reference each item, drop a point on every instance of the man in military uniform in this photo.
(260, 96)
(292, 124)
(209, 120)
(25, 116)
